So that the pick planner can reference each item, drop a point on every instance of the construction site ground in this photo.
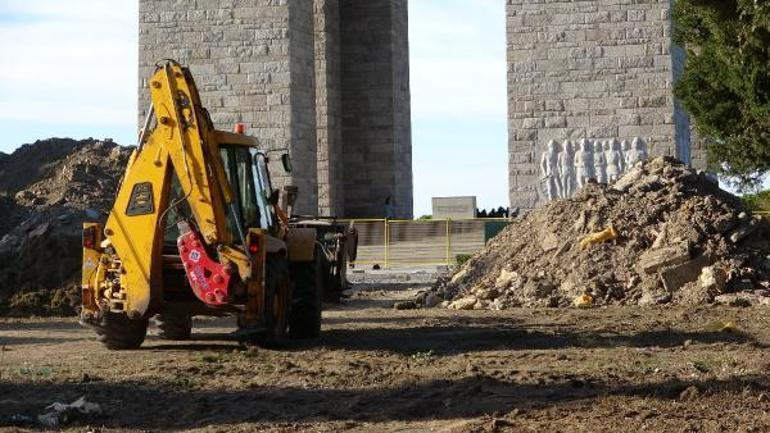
(620, 369)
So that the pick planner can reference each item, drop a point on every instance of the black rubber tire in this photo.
(176, 327)
(305, 319)
(118, 332)
(277, 284)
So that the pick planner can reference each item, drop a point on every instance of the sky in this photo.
(69, 70)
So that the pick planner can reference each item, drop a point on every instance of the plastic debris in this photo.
(605, 235)
(729, 327)
(60, 413)
(583, 301)
(719, 326)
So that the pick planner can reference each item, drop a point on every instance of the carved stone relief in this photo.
(569, 166)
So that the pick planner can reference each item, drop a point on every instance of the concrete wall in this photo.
(589, 69)
(280, 67)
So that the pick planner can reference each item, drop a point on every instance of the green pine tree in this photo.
(726, 82)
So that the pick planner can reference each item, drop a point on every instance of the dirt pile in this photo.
(47, 190)
(663, 233)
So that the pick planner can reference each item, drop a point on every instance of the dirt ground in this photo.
(620, 369)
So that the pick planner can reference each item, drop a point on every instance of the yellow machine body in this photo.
(123, 261)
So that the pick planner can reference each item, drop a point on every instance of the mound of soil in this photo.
(662, 233)
(47, 190)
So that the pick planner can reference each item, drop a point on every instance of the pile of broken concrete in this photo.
(663, 233)
(47, 190)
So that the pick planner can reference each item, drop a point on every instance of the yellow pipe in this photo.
(387, 243)
(448, 240)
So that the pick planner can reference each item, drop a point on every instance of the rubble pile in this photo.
(47, 190)
(663, 233)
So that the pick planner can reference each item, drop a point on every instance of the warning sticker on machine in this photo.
(195, 256)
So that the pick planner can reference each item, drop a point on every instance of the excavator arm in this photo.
(183, 143)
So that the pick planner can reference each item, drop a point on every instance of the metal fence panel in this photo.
(400, 243)
(372, 242)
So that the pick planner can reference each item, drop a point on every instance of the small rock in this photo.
(92, 214)
(550, 242)
(743, 232)
(713, 279)
(649, 298)
(405, 305)
(465, 303)
(486, 294)
(460, 275)
(39, 230)
(736, 299)
(431, 300)
(687, 343)
(691, 393)
(24, 195)
(505, 278)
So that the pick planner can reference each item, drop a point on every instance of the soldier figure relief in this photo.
(600, 163)
(584, 163)
(549, 166)
(614, 157)
(566, 169)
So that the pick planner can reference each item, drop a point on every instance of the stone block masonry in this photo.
(590, 69)
(328, 107)
(376, 126)
(253, 63)
(279, 66)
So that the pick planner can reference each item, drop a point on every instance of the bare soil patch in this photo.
(617, 369)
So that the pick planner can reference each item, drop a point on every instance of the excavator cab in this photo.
(246, 170)
(196, 229)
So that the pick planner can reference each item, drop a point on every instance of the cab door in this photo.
(237, 161)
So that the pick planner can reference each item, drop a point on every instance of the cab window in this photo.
(237, 164)
(264, 188)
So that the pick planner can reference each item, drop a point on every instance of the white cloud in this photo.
(68, 62)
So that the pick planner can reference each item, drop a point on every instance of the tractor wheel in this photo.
(305, 319)
(277, 302)
(118, 332)
(333, 285)
(175, 327)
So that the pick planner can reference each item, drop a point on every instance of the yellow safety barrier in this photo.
(400, 243)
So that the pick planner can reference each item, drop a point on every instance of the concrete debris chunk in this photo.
(742, 299)
(59, 414)
(505, 279)
(653, 260)
(712, 279)
(743, 232)
(677, 276)
(431, 300)
(550, 242)
(465, 303)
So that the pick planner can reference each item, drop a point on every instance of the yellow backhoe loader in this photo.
(197, 229)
